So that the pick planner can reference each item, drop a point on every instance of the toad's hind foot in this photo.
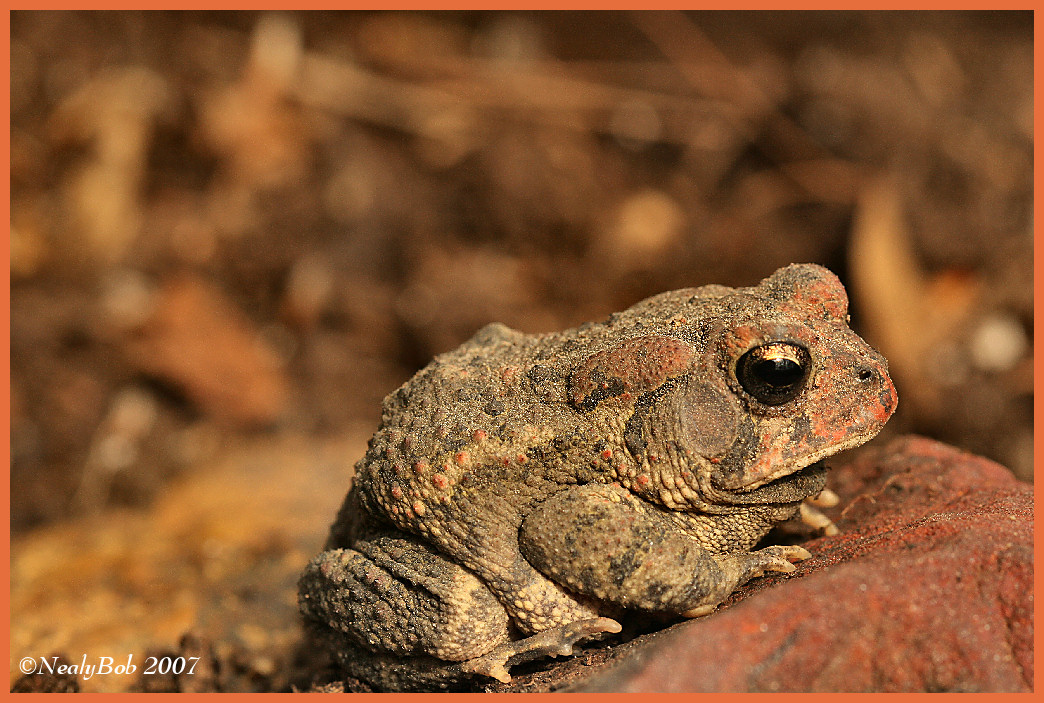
(557, 641)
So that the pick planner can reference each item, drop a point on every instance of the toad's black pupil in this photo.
(774, 373)
(779, 373)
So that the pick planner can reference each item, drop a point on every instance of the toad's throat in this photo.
(791, 488)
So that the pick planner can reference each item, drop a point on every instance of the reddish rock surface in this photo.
(929, 587)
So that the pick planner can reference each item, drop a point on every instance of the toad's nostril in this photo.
(866, 375)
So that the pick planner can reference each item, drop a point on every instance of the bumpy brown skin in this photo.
(527, 484)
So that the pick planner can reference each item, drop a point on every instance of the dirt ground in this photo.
(234, 233)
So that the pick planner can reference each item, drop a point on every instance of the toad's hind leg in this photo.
(392, 593)
(402, 617)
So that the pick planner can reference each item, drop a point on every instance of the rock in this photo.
(929, 587)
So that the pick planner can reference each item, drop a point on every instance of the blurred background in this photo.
(233, 233)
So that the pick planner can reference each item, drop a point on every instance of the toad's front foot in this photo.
(810, 514)
(740, 568)
(555, 642)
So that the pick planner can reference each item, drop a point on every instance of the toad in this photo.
(523, 491)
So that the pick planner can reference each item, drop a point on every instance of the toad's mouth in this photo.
(791, 488)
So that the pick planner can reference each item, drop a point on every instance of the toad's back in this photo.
(497, 410)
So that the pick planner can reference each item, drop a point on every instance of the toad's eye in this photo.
(774, 373)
